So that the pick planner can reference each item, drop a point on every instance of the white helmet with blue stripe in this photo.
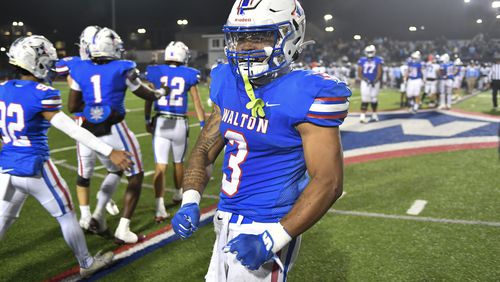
(177, 51)
(106, 44)
(264, 36)
(35, 54)
(86, 39)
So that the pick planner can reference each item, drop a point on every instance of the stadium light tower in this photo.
(498, 17)
(327, 17)
(495, 4)
(412, 28)
(182, 22)
(329, 29)
(3, 49)
(141, 30)
(357, 37)
(14, 23)
(466, 1)
(479, 21)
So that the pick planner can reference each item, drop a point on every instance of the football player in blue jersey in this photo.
(414, 80)
(85, 156)
(27, 109)
(98, 90)
(370, 74)
(282, 167)
(170, 125)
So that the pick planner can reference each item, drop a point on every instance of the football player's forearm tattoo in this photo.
(207, 148)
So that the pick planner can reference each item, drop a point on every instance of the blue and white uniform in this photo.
(103, 88)
(431, 78)
(448, 71)
(415, 82)
(64, 65)
(264, 170)
(370, 87)
(25, 165)
(171, 124)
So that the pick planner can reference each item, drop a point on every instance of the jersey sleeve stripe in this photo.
(52, 102)
(330, 99)
(336, 116)
(329, 108)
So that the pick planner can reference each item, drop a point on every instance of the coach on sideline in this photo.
(495, 80)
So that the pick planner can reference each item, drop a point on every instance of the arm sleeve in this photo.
(64, 123)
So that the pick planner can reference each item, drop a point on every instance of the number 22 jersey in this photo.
(264, 170)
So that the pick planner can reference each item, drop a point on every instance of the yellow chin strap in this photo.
(256, 105)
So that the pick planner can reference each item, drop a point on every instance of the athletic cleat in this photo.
(112, 208)
(127, 237)
(98, 226)
(84, 222)
(374, 118)
(177, 197)
(101, 261)
(161, 216)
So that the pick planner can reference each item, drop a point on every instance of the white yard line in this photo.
(417, 207)
(414, 218)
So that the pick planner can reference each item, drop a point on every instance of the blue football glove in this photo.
(252, 250)
(186, 220)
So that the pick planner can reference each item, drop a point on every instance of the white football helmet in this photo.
(86, 38)
(370, 51)
(177, 51)
(107, 44)
(458, 62)
(416, 55)
(34, 53)
(264, 36)
(445, 58)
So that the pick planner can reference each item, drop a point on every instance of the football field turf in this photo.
(367, 237)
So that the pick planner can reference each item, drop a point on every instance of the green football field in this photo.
(367, 237)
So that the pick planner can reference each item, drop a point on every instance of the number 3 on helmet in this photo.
(278, 26)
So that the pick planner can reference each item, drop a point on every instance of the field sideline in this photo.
(367, 237)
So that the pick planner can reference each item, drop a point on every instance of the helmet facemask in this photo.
(257, 51)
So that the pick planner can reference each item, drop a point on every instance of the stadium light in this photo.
(141, 30)
(327, 17)
(182, 22)
(479, 21)
(29, 33)
(329, 29)
(7, 33)
(3, 49)
(20, 24)
(14, 23)
(498, 17)
(467, 1)
(495, 4)
(412, 28)
(357, 37)
(422, 27)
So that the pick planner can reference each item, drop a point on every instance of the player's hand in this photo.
(251, 250)
(121, 159)
(149, 127)
(186, 220)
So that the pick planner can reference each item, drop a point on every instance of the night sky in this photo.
(64, 19)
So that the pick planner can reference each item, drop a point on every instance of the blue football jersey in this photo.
(64, 65)
(264, 167)
(103, 84)
(415, 69)
(370, 66)
(179, 79)
(448, 70)
(23, 129)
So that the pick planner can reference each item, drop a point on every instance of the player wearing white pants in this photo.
(430, 86)
(227, 226)
(446, 95)
(369, 95)
(414, 88)
(170, 134)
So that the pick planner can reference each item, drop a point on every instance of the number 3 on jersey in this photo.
(230, 187)
(175, 98)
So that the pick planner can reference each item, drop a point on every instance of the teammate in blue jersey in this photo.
(98, 90)
(370, 74)
(27, 109)
(86, 157)
(448, 72)
(274, 124)
(414, 81)
(170, 125)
